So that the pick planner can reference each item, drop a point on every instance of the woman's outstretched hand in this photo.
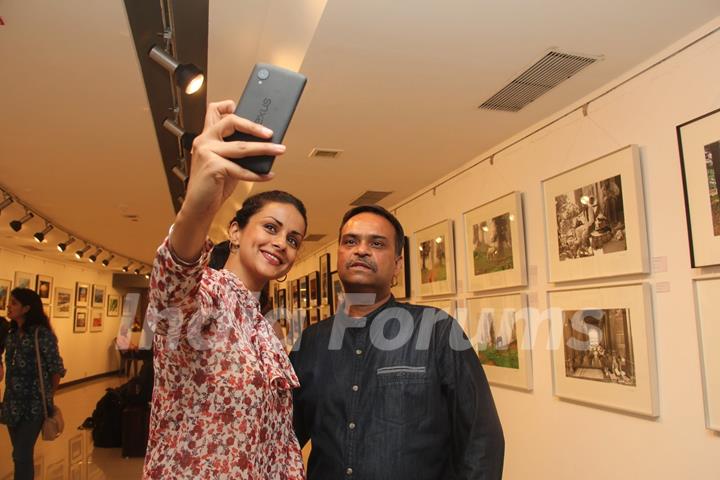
(213, 176)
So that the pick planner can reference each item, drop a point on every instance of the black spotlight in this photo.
(186, 138)
(62, 246)
(79, 253)
(187, 76)
(93, 257)
(137, 271)
(126, 268)
(17, 224)
(107, 261)
(40, 236)
(5, 203)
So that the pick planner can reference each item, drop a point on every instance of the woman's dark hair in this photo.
(36, 314)
(252, 205)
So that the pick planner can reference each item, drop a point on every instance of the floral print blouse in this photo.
(23, 401)
(222, 400)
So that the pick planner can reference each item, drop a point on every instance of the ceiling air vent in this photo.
(545, 74)
(370, 198)
(314, 237)
(325, 153)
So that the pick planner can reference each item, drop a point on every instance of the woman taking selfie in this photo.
(23, 410)
(222, 402)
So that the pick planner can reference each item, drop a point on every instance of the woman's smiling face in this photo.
(270, 241)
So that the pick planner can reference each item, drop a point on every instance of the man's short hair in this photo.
(378, 210)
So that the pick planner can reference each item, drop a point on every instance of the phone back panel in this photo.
(270, 98)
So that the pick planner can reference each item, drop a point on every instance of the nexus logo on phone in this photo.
(265, 107)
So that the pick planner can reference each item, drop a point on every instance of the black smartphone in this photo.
(270, 98)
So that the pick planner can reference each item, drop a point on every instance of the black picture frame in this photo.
(325, 297)
(313, 288)
(304, 291)
(703, 230)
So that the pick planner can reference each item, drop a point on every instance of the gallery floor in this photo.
(72, 456)
(57, 460)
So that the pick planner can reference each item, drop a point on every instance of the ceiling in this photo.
(395, 84)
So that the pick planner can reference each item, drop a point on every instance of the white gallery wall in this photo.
(548, 437)
(85, 354)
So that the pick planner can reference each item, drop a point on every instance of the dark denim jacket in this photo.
(418, 407)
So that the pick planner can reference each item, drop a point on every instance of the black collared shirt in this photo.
(398, 395)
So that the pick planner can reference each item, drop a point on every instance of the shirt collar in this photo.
(366, 320)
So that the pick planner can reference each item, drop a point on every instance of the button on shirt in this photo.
(397, 395)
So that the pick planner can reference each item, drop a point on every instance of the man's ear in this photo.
(398, 264)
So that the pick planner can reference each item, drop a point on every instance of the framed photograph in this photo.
(24, 280)
(603, 347)
(497, 327)
(113, 305)
(435, 259)
(75, 449)
(294, 296)
(298, 320)
(5, 288)
(699, 145)
(313, 280)
(324, 269)
(447, 306)
(56, 471)
(96, 320)
(495, 244)
(81, 320)
(595, 219)
(282, 307)
(304, 291)
(76, 471)
(707, 291)
(401, 282)
(43, 287)
(98, 296)
(82, 294)
(337, 291)
(63, 302)
(39, 466)
(314, 314)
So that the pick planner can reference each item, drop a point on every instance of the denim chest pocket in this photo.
(402, 396)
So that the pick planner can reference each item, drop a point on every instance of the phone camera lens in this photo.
(263, 74)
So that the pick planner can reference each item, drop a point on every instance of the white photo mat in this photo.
(508, 207)
(445, 285)
(640, 398)
(63, 302)
(693, 138)
(634, 259)
(707, 291)
(508, 311)
(447, 306)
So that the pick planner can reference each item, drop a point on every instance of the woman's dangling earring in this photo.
(281, 280)
(234, 247)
